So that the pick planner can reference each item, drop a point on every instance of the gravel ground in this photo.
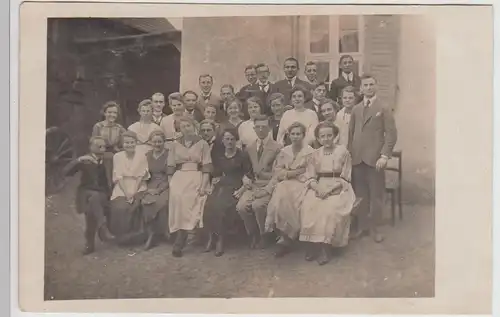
(401, 266)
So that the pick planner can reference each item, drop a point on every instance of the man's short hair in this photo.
(368, 76)
(252, 66)
(206, 75)
(311, 63)
(228, 86)
(261, 117)
(292, 59)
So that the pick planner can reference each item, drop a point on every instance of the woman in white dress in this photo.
(130, 172)
(145, 126)
(325, 215)
(299, 113)
(189, 168)
(288, 188)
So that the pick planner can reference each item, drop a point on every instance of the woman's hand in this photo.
(259, 193)
(282, 175)
(237, 194)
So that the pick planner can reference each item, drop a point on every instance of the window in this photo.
(330, 37)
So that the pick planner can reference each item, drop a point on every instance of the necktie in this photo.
(260, 150)
(290, 83)
(365, 109)
(263, 88)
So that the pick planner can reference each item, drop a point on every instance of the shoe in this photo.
(254, 241)
(219, 246)
(177, 251)
(210, 244)
(324, 255)
(311, 253)
(88, 250)
(378, 237)
(359, 234)
(104, 234)
(282, 251)
(150, 242)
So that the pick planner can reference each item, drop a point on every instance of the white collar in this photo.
(349, 76)
(206, 95)
(372, 100)
(292, 80)
(266, 139)
(262, 84)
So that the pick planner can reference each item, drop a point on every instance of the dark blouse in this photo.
(231, 170)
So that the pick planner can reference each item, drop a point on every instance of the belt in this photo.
(189, 167)
(328, 175)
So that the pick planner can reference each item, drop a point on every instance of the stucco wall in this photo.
(416, 105)
(234, 42)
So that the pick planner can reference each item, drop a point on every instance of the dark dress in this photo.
(155, 207)
(220, 207)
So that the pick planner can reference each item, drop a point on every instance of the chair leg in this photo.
(400, 205)
(393, 209)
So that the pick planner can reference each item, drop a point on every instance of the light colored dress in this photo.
(143, 131)
(328, 220)
(125, 217)
(187, 162)
(283, 211)
(342, 122)
(307, 117)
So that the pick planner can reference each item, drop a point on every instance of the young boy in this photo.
(348, 98)
(372, 137)
(92, 195)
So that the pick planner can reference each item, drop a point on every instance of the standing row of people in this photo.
(283, 164)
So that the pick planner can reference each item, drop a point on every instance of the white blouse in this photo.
(129, 171)
(307, 117)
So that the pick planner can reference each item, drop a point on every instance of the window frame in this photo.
(333, 55)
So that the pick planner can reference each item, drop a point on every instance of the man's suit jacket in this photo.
(197, 115)
(263, 168)
(247, 91)
(371, 135)
(311, 105)
(213, 100)
(285, 88)
(340, 83)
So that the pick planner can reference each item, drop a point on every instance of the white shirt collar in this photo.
(262, 84)
(372, 100)
(206, 95)
(259, 141)
(292, 80)
(348, 77)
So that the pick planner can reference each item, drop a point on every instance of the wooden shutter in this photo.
(382, 54)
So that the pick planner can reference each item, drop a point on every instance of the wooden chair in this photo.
(394, 183)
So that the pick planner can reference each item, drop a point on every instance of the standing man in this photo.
(311, 72)
(191, 105)
(159, 111)
(347, 78)
(285, 86)
(227, 94)
(266, 88)
(252, 88)
(252, 205)
(372, 137)
(206, 82)
(319, 94)
(92, 195)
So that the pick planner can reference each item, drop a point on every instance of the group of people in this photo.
(290, 160)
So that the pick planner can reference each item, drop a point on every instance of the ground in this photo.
(401, 266)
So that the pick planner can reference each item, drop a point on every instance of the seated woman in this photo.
(155, 200)
(111, 132)
(189, 168)
(130, 172)
(145, 126)
(299, 113)
(288, 188)
(325, 216)
(220, 209)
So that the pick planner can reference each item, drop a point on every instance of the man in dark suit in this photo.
(159, 110)
(346, 78)
(92, 194)
(252, 87)
(192, 107)
(372, 137)
(227, 94)
(252, 205)
(266, 88)
(206, 97)
(311, 72)
(319, 94)
(285, 86)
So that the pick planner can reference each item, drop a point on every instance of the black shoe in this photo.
(88, 250)
(219, 246)
(210, 243)
(104, 234)
(324, 255)
(177, 252)
(282, 251)
(312, 252)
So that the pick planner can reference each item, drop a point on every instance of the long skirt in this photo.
(125, 219)
(155, 212)
(327, 220)
(185, 205)
(220, 209)
(283, 211)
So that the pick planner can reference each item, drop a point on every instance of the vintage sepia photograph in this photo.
(240, 156)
